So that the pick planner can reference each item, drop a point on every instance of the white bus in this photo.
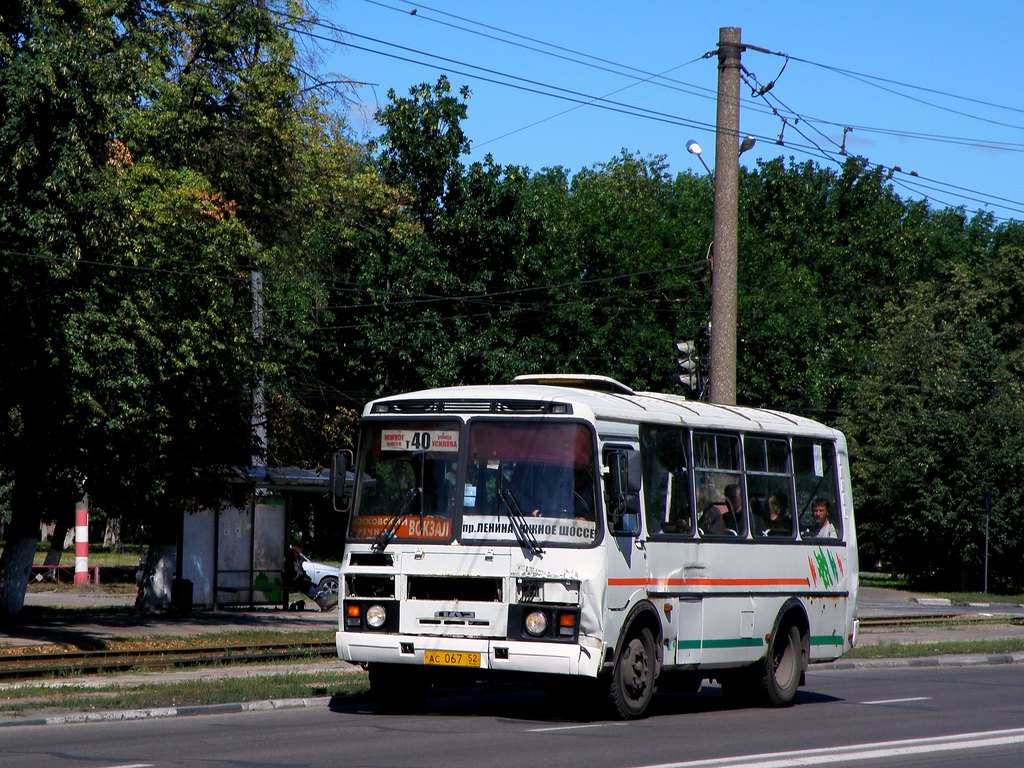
(570, 527)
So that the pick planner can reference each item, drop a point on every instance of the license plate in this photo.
(452, 658)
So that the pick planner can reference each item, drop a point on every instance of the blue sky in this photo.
(929, 87)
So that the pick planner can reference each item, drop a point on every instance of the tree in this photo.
(58, 88)
(166, 360)
(826, 248)
(422, 143)
(429, 315)
(625, 272)
(223, 120)
(138, 188)
(938, 421)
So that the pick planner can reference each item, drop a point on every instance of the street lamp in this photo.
(694, 149)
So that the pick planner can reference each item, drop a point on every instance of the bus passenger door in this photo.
(626, 555)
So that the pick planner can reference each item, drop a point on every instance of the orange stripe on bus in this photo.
(708, 582)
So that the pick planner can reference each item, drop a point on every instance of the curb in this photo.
(157, 713)
(961, 660)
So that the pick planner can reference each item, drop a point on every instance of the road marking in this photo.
(898, 701)
(855, 752)
(571, 727)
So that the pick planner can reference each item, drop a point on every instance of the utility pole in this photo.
(987, 496)
(259, 416)
(722, 384)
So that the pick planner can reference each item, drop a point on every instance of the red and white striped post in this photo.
(82, 541)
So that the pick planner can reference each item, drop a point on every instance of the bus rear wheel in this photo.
(632, 683)
(783, 667)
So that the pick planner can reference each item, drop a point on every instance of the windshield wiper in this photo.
(519, 525)
(385, 537)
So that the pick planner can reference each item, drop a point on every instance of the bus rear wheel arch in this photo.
(773, 681)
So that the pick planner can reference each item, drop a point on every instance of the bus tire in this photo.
(632, 683)
(398, 688)
(783, 668)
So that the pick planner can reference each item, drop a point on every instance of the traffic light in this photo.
(688, 364)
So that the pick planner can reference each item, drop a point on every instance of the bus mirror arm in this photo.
(340, 484)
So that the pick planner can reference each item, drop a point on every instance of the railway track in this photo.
(67, 662)
(63, 663)
(938, 618)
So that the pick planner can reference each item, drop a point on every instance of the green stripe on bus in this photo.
(749, 642)
(733, 642)
(826, 640)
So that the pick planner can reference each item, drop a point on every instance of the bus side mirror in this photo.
(342, 480)
(624, 480)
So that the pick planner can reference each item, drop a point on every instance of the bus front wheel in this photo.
(398, 688)
(632, 683)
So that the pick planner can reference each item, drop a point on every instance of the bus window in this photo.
(666, 480)
(717, 478)
(769, 486)
(814, 472)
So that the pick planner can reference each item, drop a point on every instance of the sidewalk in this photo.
(100, 617)
(1002, 621)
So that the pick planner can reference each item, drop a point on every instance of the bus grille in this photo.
(469, 589)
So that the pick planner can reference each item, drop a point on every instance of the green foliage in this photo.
(938, 420)
(423, 142)
(64, 71)
(163, 372)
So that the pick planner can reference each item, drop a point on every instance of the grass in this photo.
(944, 648)
(246, 638)
(965, 598)
(75, 693)
(98, 555)
(883, 580)
(71, 697)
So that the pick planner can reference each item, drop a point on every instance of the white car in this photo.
(322, 574)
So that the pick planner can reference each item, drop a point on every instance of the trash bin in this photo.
(181, 597)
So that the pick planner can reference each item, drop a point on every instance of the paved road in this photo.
(902, 718)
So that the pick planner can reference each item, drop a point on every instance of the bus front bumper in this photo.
(494, 655)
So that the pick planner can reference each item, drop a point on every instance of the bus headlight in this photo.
(376, 616)
(536, 623)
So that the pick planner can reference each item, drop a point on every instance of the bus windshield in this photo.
(406, 488)
(537, 475)
(523, 482)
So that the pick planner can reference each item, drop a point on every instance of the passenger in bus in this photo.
(583, 495)
(779, 522)
(822, 527)
(735, 513)
(546, 490)
(712, 520)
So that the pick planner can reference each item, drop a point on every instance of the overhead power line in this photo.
(424, 13)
